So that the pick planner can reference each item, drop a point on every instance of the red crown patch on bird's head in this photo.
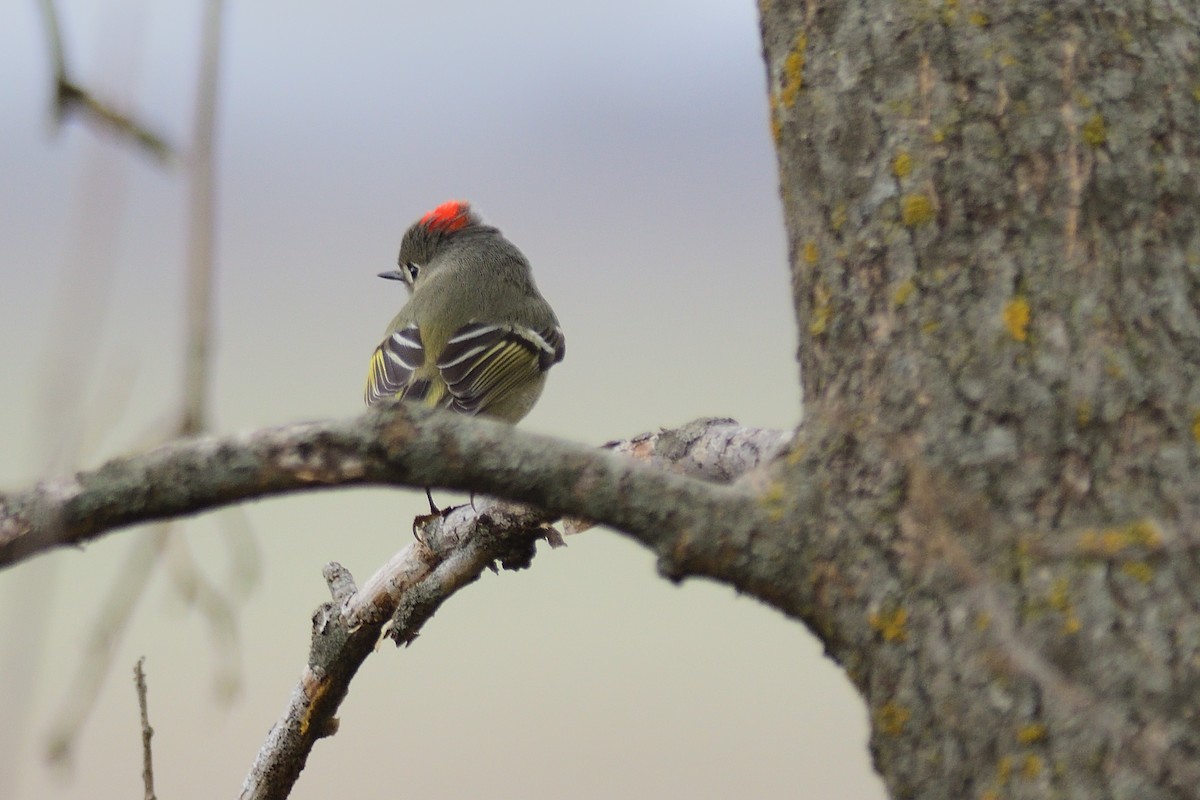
(450, 216)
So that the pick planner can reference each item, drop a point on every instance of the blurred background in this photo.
(625, 148)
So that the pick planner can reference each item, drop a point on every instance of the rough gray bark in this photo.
(992, 218)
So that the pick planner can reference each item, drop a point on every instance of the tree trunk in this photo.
(992, 217)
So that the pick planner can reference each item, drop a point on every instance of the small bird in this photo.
(476, 336)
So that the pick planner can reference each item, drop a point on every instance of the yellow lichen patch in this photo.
(1146, 533)
(1196, 92)
(1196, 426)
(903, 292)
(1004, 769)
(811, 253)
(819, 321)
(1059, 598)
(890, 624)
(1111, 542)
(916, 209)
(838, 218)
(902, 164)
(793, 71)
(1095, 132)
(989, 794)
(978, 19)
(1143, 533)
(1138, 570)
(774, 498)
(1031, 733)
(1083, 413)
(1031, 767)
(1089, 541)
(1016, 318)
(983, 621)
(776, 120)
(821, 310)
(938, 135)
(930, 327)
(892, 717)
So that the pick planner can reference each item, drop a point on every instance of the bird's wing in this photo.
(482, 363)
(393, 366)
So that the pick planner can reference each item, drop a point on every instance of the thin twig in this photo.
(139, 680)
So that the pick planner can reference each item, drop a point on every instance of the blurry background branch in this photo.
(197, 357)
(215, 603)
(71, 96)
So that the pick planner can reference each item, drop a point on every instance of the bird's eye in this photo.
(413, 269)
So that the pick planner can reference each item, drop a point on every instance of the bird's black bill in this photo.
(393, 275)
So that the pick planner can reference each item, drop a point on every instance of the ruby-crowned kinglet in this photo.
(475, 336)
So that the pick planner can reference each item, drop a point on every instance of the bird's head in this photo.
(427, 236)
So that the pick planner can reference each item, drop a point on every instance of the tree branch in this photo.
(398, 445)
(451, 552)
(696, 526)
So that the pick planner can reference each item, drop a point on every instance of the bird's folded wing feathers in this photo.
(392, 366)
(482, 363)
